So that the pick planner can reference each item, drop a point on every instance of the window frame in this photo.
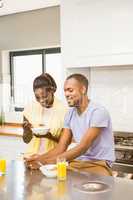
(13, 54)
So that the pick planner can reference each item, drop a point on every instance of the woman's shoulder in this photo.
(60, 105)
(32, 105)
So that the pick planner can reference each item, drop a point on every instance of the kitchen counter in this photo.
(22, 184)
(11, 130)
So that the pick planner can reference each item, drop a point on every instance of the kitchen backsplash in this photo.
(113, 87)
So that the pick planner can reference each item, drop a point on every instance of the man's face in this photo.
(44, 96)
(73, 92)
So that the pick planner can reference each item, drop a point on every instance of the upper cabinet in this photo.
(96, 33)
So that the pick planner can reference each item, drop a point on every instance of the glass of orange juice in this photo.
(61, 169)
(2, 166)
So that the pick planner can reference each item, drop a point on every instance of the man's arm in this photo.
(75, 152)
(83, 146)
(61, 148)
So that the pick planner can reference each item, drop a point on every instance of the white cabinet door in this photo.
(96, 33)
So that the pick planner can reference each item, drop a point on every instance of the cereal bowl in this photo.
(41, 130)
(49, 171)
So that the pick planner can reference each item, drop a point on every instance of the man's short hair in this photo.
(80, 78)
(44, 80)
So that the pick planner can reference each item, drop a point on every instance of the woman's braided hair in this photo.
(45, 80)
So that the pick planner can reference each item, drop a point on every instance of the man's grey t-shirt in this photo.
(94, 116)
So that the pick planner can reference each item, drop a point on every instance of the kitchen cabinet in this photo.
(81, 70)
(96, 33)
(11, 147)
(11, 143)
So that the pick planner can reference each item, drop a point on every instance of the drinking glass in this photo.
(2, 166)
(61, 169)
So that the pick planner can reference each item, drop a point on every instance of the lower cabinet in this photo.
(11, 147)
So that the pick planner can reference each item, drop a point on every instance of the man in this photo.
(89, 125)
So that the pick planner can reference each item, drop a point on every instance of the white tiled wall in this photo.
(113, 87)
(82, 70)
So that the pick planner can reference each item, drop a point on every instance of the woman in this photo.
(46, 110)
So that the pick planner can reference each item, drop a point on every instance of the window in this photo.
(25, 66)
(55, 69)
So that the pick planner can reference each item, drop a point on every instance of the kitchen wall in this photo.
(0, 67)
(113, 88)
(84, 70)
(28, 30)
(32, 29)
(0, 82)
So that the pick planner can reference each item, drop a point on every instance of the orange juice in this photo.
(2, 166)
(61, 170)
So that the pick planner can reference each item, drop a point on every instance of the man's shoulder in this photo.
(94, 106)
(99, 109)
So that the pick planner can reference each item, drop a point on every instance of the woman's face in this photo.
(44, 96)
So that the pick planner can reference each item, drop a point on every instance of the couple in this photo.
(89, 125)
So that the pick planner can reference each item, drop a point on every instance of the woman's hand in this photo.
(26, 125)
(33, 165)
(27, 132)
(32, 162)
(33, 157)
(46, 135)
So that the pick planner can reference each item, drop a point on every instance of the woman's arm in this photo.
(27, 132)
(50, 156)
(49, 136)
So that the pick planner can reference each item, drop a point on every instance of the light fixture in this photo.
(1, 4)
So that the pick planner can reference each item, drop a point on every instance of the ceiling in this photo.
(16, 6)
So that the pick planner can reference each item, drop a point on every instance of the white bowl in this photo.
(49, 171)
(41, 130)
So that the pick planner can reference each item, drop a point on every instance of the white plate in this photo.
(49, 171)
(42, 130)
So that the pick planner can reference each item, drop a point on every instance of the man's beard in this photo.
(73, 103)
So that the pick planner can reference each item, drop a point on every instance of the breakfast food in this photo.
(40, 130)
